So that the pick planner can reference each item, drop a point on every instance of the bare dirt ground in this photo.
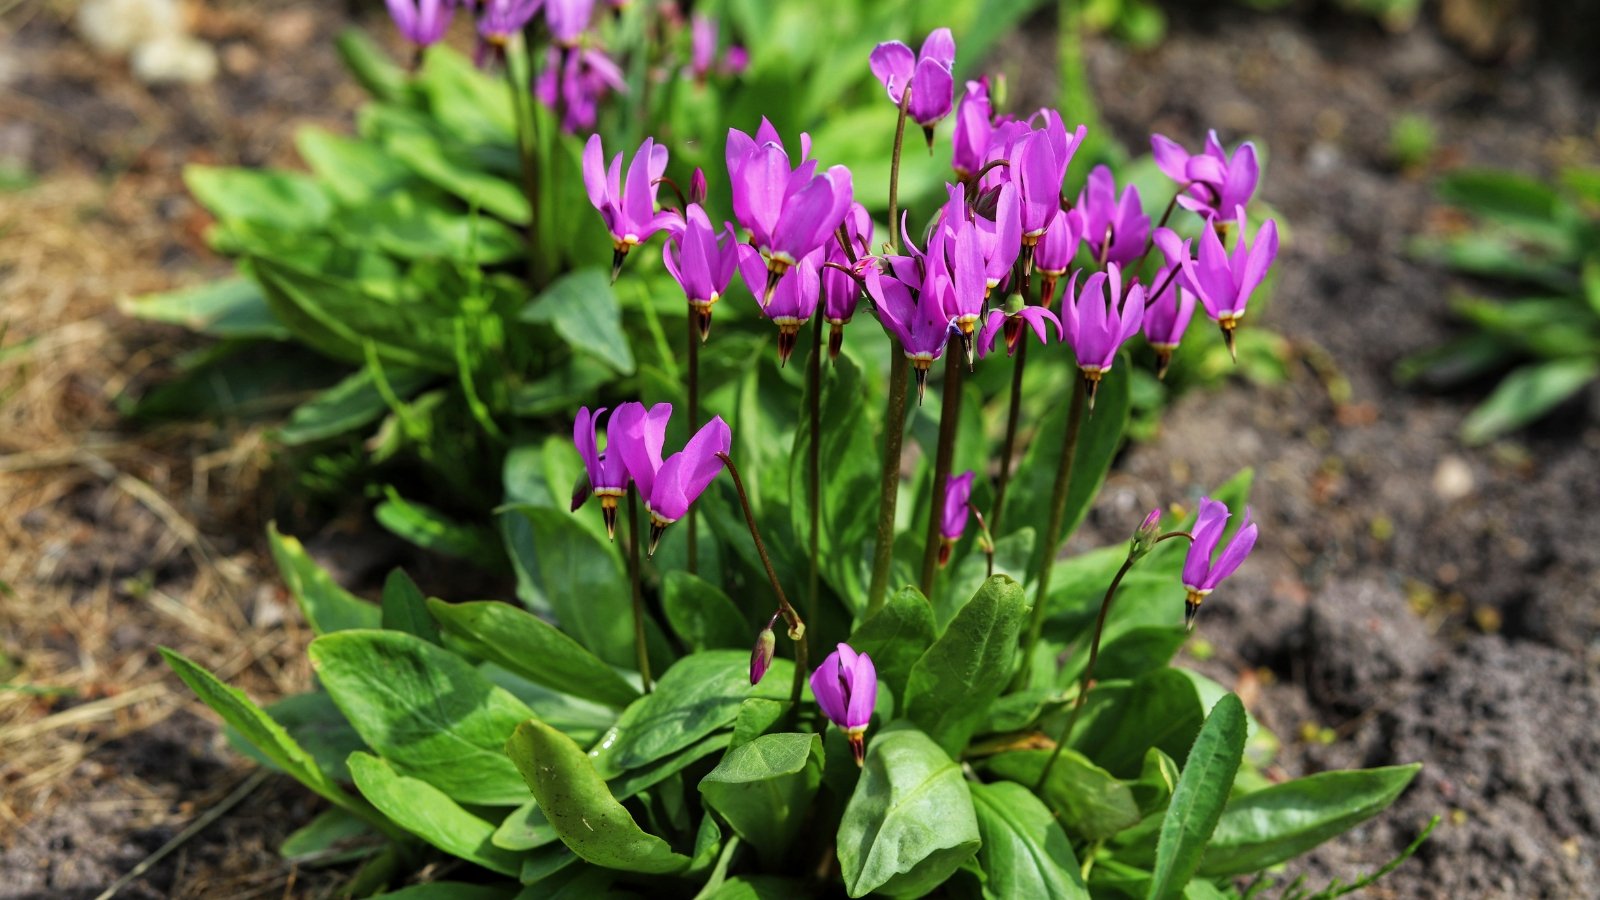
(1419, 600)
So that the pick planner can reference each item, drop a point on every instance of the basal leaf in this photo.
(584, 584)
(1198, 799)
(326, 606)
(291, 201)
(1025, 853)
(701, 614)
(353, 403)
(405, 609)
(954, 682)
(535, 649)
(896, 636)
(764, 789)
(1088, 801)
(229, 308)
(428, 813)
(317, 725)
(583, 310)
(1527, 394)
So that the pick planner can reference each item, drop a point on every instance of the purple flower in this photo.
(637, 434)
(974, 126)
(1055, 251)
(499, 20)
(1226, 281)
(1213, 183)
(999, 235)
(1096, 327)
(927, 74)
(1115, 228)
(761, 654)
(1144, 537)
(697, 186)
(608, 474)
(846, 688)
(568, 19)
(1200, 574)
(702, 264)
(955, 272)
(953, 515)
(1167, 315)
(629, 208)
(912, 315)
(575, 80)
(841, 291)
(1035, 317)
(1039, 163)
(702, 45)
(789, 212)
(669, 486)
(794, 299)
(422, 22)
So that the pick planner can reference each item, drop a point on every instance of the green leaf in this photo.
(426, 710)
(448, 890)
(428, 813)
(464, 100)
(526, 828)
(1198, 800)
(700, 694)
(1456, 362)
(348, 405)
(764, 789)
(425, 222)
(535, 649)
(1025, 853)
(955, 681)
(910, 823)
(581, 808)
(456, 171)
(1088, 800)
(1281, 822)
(334, 836)
(326, 606)
(848, 456)
(317, 725)
(370, 65)
(584, 584)
(356, 171)
(583, 310)
(268, 736)
(229, 308)
(896, 636)
(1527, 394)
(636, 781)
(1122, 720)
(290, 201)
(701, 614)
(1506, 197)
(405, 609)
(429, 529)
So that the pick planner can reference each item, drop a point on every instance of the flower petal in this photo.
(892, 64)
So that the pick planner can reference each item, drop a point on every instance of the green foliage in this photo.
(1542, 239)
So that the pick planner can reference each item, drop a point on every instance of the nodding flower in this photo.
(422, 22)
(1213, 182)
(974, 126)
(628, 207)
(568, 19)
(1167, 314)
(928, 75)
(846, 688)
(953, 520)
(1200, 574)
(910, 314)
(1036, 317)
(1225, 281)
(607, 474)
(498, 22)
(1098, 326)
(841, 290)
(669, 487)
(1114, 227)
(794, 299)
(702, 261)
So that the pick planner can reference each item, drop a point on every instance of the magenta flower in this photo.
(1035, 317)
(1212, 182)
(1226, 281)
(498, 21)
(1115, 228)
(999, 235)
(575, 80)
(422, 22)
(927, 74)
(794, 299)
(974, 126)
(1096, 327)
(789, 212)
(1200, 574)
(697, 186)
(912, 315)
(841, 291)
(953, 515)
(702, 264)
(1039, 163)
(1146, 536)
(608, 474)
(568, 19)
(1167, 314)
(629, 208)
(1055, 251)
(846, 688)
(955, 273)
(637, 434)
(669, 486)
(761, 654)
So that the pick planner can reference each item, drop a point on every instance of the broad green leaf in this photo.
(525, 829)
(702, 615)
(954, 682)
(356, 171)
(1456, 362)
(334, 836)
(1011, 556)
(424, 223)
(1541, 326)
(459, 173)
(1281, 822)
(1198, 800)
(764, 789)
(910, 823)
(1123, 719)
(756, 717)
(466, 101)
(371, 65)
(1025, 853)
(639, 780)
(327, 607)
(290, 201)
(700, 694)
(896, 636)
(1527, 394)
(229, 308)
(1089, 802)
(540, 867)
(317, 725)
(583, 310)
(405, 609)
(430, 814)
(429, 529)
(348, 405)
(449, 890)
(848, 465)
(581, 808)
(1507, 197)
(756, 887)
(1156, 781)
(426, 710)
(268, 736)
(582, 720)
(535, 649)
(584, 584)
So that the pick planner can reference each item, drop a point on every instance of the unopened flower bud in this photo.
(697, 186)
(1144, 538)
(761, 654)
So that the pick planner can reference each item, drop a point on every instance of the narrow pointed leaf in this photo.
(1198, 799)
(1025, 853)
(326, 606)
(430, 814)
(952, 685)
(535, 649)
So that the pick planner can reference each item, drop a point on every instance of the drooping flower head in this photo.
(1200, 574)
(1167, 314)
(927, 74)
(1225, 281)
(955, 273)
(1039, 160)
(846, 688)
(702, 261)
(841, 290)
(974, 126)
(794, 299)
(1011, 324)
(1216, 182)
(670, 486)
(498, 22)
(1114, 228)
(607, 473)
(629, 208)
(1098, 325)
(422, 22)
(953, 518)
(999, 221)
(789, 211)
(1053, 255)
(575, 80)
(915, 317)
(761, 654)
(568, 19)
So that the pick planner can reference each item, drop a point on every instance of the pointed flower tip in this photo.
(761, 655)
(655, 538)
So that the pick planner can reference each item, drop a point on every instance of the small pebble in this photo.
(1452, 479)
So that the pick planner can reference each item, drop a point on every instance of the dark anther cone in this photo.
(610, 513)
(580, 492)
(1190, 610)
(1227, 338)
(1047, 289)
(772, 285)
(967, 348)
(1027, 259)
(927, 135)
(858, 748)
(1163, 362)
(835, 340)
(922, 382)
(702, 318)
(786, 341)
(1013, 332)
(1090, 387)
(618, 254)
(655, 536)
(945, 546)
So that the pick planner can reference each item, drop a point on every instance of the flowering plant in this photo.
(952, 706)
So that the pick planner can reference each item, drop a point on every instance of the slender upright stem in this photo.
(949, 424)
(814, 461)
(1052, 535)
(797, 625)
(894, 415)
(1013, 414)
(641, 648)
(527, 125)
(692, 334)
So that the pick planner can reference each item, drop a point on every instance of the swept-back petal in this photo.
(892, 64)
(940, 45)
(1234, 553)
(863, 692)
(827, 687)
(1208, 526)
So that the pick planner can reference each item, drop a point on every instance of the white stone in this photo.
(176, 58)
(115, 27)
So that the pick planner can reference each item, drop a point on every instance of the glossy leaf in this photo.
(848, 458)
(1198, 799)
(1527, 394)
(228, 308)
(405, 609)
(326, 606)
(354, 170)
(701, 614)
(525, 828)
(535, 649)
(583, 311)
(430, 814)
(426, 710)
(354, 402)
(910, 823)
(1122, 720)
(581, 808)
(317, 725)
(430, 529)
(334, 836)
(896, 636)
(954, 682)
(1025, 853)
(291, 201)
(583, 582)
(1089, 802)
(764, 789)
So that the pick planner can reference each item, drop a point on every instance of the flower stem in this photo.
(797, 625)
(1013, 414)
(949, 424)
(640, 647)
(692, 333)
(814, 461)
(894, 415)
(519, 79)
(1052, 536)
